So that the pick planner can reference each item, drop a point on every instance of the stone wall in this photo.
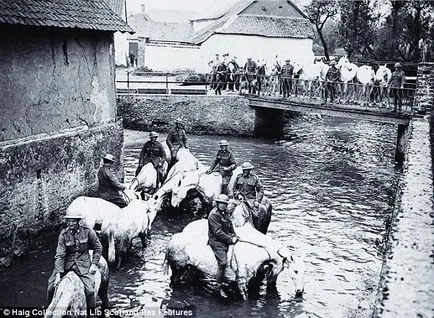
(41, 175)
(221, 115)
(423, 101)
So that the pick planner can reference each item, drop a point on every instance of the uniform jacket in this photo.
(152, 152)
(225, 159)
(333, 74)
(73, 249)
(250, 187)
(222, 68)
(250, 67)
(220, 229)
(287, 71)
(176, 137)
(109, 186)
(397, 79)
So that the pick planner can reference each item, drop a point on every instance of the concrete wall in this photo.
(223, 115)
(53, 80)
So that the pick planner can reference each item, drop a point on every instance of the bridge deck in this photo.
(299, 104)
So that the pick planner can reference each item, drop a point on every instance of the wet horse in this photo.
(365, 76)
(381, 79)
(146, 180)
(255, 257)
(69, 297)
(348, 72)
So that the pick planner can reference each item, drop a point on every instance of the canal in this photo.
(332, 184)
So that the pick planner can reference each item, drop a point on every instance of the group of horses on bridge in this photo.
(358, 84)
(254, 258)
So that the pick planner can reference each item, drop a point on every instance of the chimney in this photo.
(143, 8)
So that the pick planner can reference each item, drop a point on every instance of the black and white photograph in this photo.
(217, 158)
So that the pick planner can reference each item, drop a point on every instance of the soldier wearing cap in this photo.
(176, 139)
(333, 76)
(153, 151)
(250, 71)
(248, 187)
(396, 85)
(72, 254)
(220, 235)
(286, 74)
(225, 163)
(109, 186)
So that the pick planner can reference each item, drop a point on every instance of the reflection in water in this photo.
(330, 184)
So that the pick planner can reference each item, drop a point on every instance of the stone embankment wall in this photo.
(221, 115)
(406, 287)
(40, 176)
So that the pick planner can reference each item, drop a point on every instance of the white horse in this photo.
(255, 257)
(69, 296)
(348, 72)
(135, 220)
(365, 76)
(382, 78)
(147, 178)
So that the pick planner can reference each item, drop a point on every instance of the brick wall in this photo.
(424, 98)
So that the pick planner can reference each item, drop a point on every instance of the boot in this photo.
(91, 305)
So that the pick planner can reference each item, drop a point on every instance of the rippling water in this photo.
(331, 184)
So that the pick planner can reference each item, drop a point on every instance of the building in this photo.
(58, 110)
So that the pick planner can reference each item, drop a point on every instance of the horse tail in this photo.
(111, 244)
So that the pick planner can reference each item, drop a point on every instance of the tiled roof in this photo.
(159, 31)
(269, 27)
(117, 6)
(79, 14)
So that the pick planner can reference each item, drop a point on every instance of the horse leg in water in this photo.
(144, 238)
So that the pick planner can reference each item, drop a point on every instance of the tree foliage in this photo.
(319, 13)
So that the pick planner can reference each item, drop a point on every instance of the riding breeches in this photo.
(89, 288)
(225, 184)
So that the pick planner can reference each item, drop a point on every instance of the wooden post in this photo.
(401, 143)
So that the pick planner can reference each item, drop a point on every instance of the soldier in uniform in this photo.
(213, 66)
(333, 76)
(221, 72)
(250, 71)
(176, 139)
(396, 84)
(248, 187)
(286, 74)
(109, 186)
(153, 151)
(225, 162)
(220, 235)
(72, 254)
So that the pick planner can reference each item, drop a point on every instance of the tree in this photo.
(357, 27)
(319, 12)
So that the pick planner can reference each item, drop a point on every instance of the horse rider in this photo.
(248, 187)
(286, 74)
(109, 186)
(221, 72)
(176, 139)
(250, 69)
(225, 162)
(396, 85)
(220, 235)
(332, 78)
(153, 151)
(72, 254)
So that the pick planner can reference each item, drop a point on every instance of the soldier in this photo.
(225, 162)
(332, 78)
(72, 254)
(250, 71)
(396, 85)
(221, 72)
(213, 66)
(153, 151)
(176, 139)
(286, 74)
(220, 235)
(109, 186)
(248, 187)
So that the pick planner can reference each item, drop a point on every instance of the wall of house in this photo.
(257, 47)
(58, 117)
(54, 80)
(121, 48)
(168, 57)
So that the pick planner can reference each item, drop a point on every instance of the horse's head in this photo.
(185, 182)
(130, 195)
(366, 74)
(296, 268)
(240, 213)
(343, 61)
(383, 75)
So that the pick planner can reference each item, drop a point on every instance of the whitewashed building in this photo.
(261, 29)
